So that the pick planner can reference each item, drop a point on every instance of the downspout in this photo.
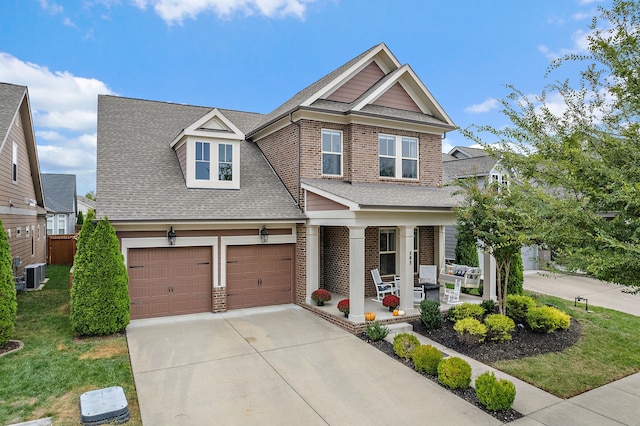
(299, 154)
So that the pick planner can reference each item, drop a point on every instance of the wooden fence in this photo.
(61, 249)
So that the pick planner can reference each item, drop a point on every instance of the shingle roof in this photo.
(89, 202)
(59, 192)
(10, 97)
(466, 167)
(139, 176)
(386, 195)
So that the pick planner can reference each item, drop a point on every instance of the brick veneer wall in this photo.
(281, 150)
(219, 299)
(301, 264)
(335, 264)
(371, 258)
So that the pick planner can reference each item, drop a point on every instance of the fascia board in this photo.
(192, 130)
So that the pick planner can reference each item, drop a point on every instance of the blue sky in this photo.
(252, 55)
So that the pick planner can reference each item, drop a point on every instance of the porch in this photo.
(331, 313)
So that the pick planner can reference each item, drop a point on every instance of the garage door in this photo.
(169, 281)
(259, 275)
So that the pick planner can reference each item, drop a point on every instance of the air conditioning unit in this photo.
(34, 275)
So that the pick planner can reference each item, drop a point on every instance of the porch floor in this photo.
(383, 313)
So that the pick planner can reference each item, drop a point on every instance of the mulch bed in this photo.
(524, 343)
(9, 346)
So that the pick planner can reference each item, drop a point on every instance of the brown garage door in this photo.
(259, 275)
(169, 281)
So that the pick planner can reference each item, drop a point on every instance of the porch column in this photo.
(439, 252)
(405, 268)
(489, 289)
(356, 273)
(313, 260)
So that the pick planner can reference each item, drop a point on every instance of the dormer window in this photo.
(203, 161)
(209, 152)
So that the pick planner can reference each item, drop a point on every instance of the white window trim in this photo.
(61, 219)
(398, 157)
(416, 250)
(213, 182)
(341, 153)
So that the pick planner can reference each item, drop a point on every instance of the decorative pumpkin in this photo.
(396, 313)
(369, 316)
(401, 312)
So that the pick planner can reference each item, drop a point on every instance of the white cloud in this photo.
(580, 45)
(64, 109)
(51, 7)
(486, 106)
(175, 11)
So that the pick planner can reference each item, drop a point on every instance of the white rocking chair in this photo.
(452, 295)
(427, 274)
(384, 288)
(418, 295)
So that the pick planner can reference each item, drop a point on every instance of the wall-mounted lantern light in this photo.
(171, 236)
(264, 234)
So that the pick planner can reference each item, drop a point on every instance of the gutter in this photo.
(297, 124)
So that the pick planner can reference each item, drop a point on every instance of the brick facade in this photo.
(335, 265)
(301, 264)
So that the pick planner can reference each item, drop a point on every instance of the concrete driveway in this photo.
(278, 366)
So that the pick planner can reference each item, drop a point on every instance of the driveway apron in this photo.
(278, 366)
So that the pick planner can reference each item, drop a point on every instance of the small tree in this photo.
(516, 275)
(495, 216)
(100, 295)
(80, 218)
(466, 247)
(8, 300)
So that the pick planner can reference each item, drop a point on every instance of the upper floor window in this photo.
(331, 152)
(398, 157)
(14, 163)
(225, 161)
(203, 160)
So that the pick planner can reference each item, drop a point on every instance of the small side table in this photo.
(431, 291)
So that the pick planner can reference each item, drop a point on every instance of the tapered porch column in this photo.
(313, 260)
(489, 289)
(439, 246)
(405, 268)
(356, 273)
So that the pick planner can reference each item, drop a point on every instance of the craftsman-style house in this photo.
(21, 198)
(219, 209)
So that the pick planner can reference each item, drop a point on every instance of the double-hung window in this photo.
(331, 152)
(203, 160)
(398, 156)
(387, 251)
(225, 161)
(62, 224)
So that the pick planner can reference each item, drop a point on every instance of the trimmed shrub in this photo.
(516, 275)
(499, 327)
(8, 298)
(465, 310)
(495, 394)
(454, 373)
(488, 305)
(376, 332)
(470, 331)
(426, 359)
(466, 251)
(404, 344)
(430, 314)
(547, 319)
(100, 293)
(518, 306)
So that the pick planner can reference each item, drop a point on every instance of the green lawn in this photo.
(608, 350)
(47, 377)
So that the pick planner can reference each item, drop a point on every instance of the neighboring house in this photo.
(21, 198)
(219, 209)
(465, 162)
(85, 204)
(60, 199)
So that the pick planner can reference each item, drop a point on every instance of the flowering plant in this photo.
(343, 306)
(391, 301)
(320, 295)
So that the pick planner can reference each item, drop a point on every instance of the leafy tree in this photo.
(516, 275)
(466, 247)
(80, 218)
(494, 215)
(8, 300)
(100, 295)
(583, 164)
(91, 195)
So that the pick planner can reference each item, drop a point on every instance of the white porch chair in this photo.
(427, 274)
(452, 295)
(384, 288)
(418, 295)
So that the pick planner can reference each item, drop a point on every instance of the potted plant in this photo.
(391, 301)
(343, 306)
(320, 296)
